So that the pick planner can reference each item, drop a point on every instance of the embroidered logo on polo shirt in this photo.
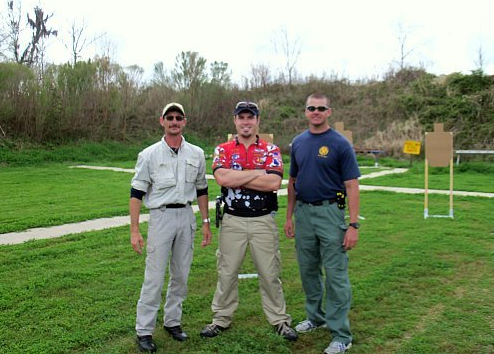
(323, 151)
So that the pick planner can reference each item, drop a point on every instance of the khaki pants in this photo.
(171, 231)
(261, 235)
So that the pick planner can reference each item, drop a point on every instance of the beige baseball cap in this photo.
(173, 105)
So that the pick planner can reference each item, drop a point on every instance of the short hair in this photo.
(318, 96)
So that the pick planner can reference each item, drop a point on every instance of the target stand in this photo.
(438, 153)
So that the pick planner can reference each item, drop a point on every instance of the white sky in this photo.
(352, 39)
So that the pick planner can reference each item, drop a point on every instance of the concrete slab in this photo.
(383, 173)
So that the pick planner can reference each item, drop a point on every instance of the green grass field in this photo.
(420, 286)
(56, 194)
(473, 177)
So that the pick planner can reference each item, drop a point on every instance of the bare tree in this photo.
(3, 46)
(403, 41)
(480, 61)
(290, 49)
(260, 76)
(106, 47)
(4, 40)
(33, 50)
(134, 74)
(78, 41)
(14, 28)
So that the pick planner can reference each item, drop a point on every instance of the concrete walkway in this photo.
(73, 228)
(105, 223)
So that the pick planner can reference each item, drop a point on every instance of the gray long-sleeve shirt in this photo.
(168, 177)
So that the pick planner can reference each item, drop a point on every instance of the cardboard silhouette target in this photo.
(339, 127)
(438, 153)
(439, 146)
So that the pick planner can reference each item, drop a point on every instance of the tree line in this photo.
(99, 100)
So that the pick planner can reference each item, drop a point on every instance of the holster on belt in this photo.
(219, 215)
(340, 199)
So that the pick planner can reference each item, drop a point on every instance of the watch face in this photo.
(355, 224)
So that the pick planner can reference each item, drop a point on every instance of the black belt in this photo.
(175, 206)
(246, 213)
(320, 202)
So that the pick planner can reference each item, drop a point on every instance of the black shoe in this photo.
(176, 333)
(146, 344)
(212, 330)
(284, 330)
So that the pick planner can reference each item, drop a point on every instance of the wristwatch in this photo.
(206, 221)
(355, 225)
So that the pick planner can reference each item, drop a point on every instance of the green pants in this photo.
(319, 233)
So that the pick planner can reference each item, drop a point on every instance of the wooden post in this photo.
(451, 188)
(426, 190)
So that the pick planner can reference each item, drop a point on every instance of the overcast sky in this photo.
(353, 39)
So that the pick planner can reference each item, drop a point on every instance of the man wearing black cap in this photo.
(249, 170)
(169, 176)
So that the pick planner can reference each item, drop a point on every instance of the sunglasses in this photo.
(177, 118)
(319, 108)
(246, 105)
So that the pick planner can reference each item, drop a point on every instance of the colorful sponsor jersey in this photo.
(260, 155)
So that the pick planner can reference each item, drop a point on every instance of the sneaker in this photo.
(212, 330)
(308, 326)
(337, 347)
(283, 329)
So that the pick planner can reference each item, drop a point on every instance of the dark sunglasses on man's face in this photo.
(246, 105)
(319, 108)
(177, 118)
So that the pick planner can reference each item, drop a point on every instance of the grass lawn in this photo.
(420, 286)
(55, 194)
(473, 177)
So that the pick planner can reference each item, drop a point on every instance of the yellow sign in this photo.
(412, 147)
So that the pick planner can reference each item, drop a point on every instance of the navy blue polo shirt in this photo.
(321, 163)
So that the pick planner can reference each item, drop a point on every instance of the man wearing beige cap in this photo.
(169, 176)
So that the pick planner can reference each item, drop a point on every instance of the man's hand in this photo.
(351, 238)
(137, 241)
(289, 229)
(206, 235)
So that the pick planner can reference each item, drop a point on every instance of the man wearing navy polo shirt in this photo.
(323, 172)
